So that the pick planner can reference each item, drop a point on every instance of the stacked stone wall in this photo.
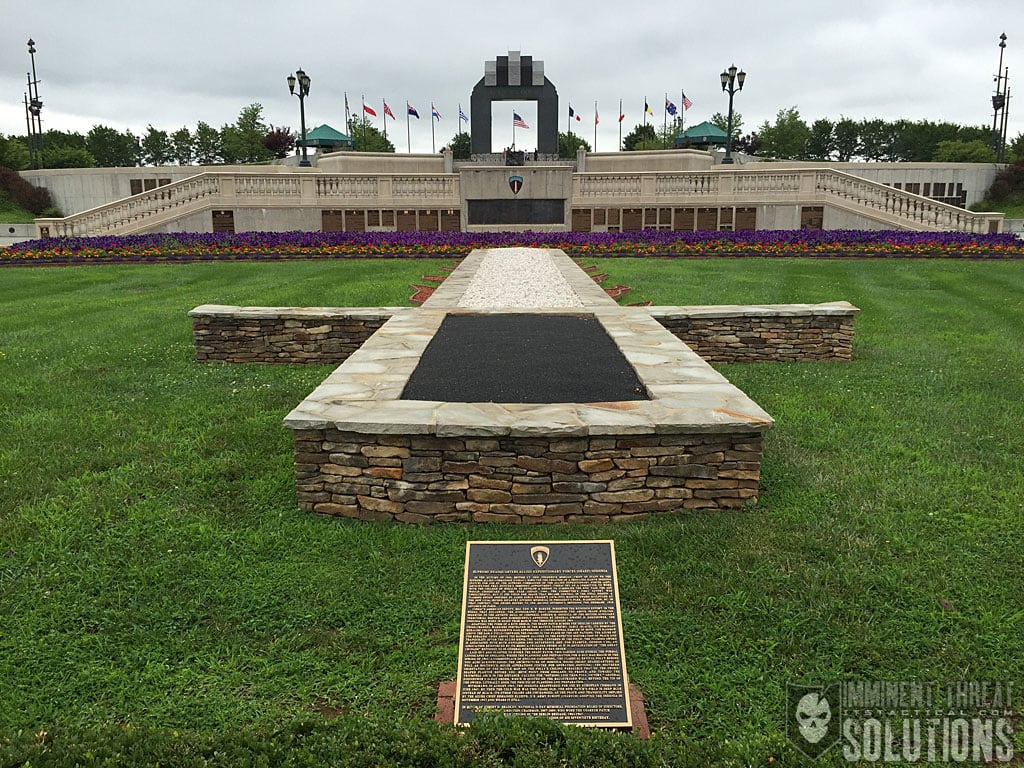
(786, 333)
(422, 479)
(283, 339)
(766, 338)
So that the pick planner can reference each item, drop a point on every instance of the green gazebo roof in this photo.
(325, 136)
(701, 135)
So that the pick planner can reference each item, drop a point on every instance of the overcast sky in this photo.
(173, 64)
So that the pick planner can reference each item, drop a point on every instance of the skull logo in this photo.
(812, 716)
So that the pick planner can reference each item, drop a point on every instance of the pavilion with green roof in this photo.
(327, 139)
(701, 136)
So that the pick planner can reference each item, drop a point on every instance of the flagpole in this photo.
(348, 119)
(408, 133)
(682, 110)
(645, 111)
(595, 126)
(433, 146)
(664, 121)
(384, 118)
(620, 125)
(513, 130)
(363, 98)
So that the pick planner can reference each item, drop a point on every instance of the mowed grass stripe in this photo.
(154, 568)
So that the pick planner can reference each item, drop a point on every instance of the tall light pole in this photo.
(33, 106)
(999, 104)
(732, 81)
(302, 79)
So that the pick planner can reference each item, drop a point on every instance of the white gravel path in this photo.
(518, 278)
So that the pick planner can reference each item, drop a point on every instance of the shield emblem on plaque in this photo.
(516, 183)
(539, 555)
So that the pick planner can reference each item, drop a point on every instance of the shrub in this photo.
(1008, 183)
(29, 197)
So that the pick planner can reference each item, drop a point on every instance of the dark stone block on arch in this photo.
(514, 78)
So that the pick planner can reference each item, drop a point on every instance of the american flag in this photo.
(518, 122)
(686, 102)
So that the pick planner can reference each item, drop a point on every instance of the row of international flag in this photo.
(517, 120)
(411, 111)
(670, 109)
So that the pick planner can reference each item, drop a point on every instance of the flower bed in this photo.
(277, 245)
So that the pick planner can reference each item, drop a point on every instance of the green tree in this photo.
(53, 139)
(1014, 149)
(821, 143)
(367, 137)
(846, 135)
(207, 147)
(182, 146)
(461, 146)
(722, 121)
(787, 138)
(976, 151)
(13, 153)
(243, 141)
(64, 156)
(156, 147)
(569, 144)
(642, 134)
(877, 140)
(112, 148)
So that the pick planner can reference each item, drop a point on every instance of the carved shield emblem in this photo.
(516, 183)
(539, 555)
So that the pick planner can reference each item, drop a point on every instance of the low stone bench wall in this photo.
(719, 334)
(311, 335)
(763, 333)
(542, 479)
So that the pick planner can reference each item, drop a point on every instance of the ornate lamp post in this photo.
(732, 81)
(302, 79)
(999, 104)
(33, 106)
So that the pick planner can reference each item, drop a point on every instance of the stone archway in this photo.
(514, 78)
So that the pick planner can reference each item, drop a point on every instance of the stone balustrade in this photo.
(882, 205)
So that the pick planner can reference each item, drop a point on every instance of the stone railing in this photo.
(211, 190)
(888, 206)
(885, 202)
(138, 213)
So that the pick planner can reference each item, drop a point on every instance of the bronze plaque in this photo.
(542, 633)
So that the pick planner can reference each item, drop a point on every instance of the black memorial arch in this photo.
(514, 78)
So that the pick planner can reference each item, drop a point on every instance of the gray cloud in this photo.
(130, 64)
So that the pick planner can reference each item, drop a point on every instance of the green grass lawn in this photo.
(155, 571)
